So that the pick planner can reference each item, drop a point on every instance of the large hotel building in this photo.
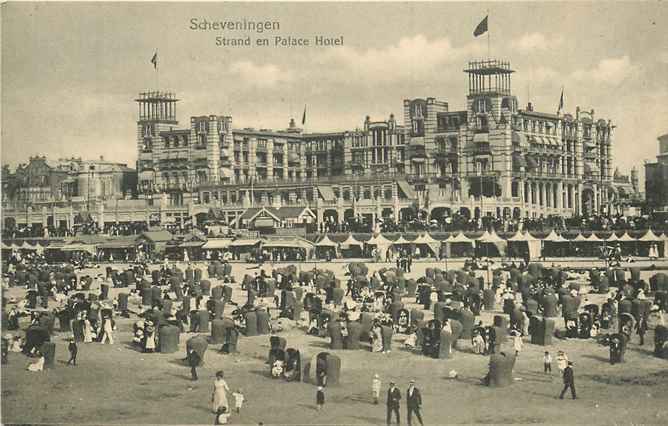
(492, 158)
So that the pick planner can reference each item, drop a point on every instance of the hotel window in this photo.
(176, 142)
(167, 142)
(202, 126)
(185, 140)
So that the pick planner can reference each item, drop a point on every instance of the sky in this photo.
(71, 71)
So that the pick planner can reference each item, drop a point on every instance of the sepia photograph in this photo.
(334, 213)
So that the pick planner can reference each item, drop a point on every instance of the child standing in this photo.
(72, 347)
(320, 398)
(238, 399)
(562, 362)
(375, 388)
(547, 363)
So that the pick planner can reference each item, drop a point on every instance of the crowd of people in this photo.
(365, 310)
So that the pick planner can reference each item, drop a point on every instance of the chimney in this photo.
(529, 106)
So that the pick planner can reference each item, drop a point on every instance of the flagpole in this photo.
(488, 40)
(157, 72)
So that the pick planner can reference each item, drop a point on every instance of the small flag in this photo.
(304, 116)
(154, 60)
(481, 28)
(561, 102)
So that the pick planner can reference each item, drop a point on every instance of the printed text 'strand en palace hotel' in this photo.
(492, 157)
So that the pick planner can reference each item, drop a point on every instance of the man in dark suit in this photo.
(569, 381)
(393, 398)
(414, 402)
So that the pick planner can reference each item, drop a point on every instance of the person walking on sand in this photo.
(413, 403)
(375, 388)
(219, 395)
(569, 381)
(393, 398)
(320, 398)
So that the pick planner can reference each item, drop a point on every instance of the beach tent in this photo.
(325, 246)
(527, 241)
(493, 239)
(426, 239)
(459, 245)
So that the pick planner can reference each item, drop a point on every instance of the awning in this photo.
(287, 244)
(191, 244)
(80, 247)
(406, 189)
(481, 137)
(531, 163)
(244, 243)
(518, 160)
(326, 193)
(116, 245)
(214, 244)
(520, 139)
(326, 242)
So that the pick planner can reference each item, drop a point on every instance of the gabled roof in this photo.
(326, 242)
(554, 237)
(379, 240)
(351, 241)
(492, 237)
(459, 238)
(426, 239)
(291, 212)
(401, 240)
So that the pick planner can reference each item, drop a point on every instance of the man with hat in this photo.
(413, 402)
(569, 381)
(393, 398)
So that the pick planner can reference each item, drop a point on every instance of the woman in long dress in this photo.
(377, 339)
(219, 396)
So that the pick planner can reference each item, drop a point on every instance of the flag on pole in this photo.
(561, 101)
(304, 116)
(481, 28)
(154, 60)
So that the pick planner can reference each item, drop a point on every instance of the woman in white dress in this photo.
(219, 395)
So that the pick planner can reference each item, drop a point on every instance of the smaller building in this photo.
(268, 219)
(656, 178)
